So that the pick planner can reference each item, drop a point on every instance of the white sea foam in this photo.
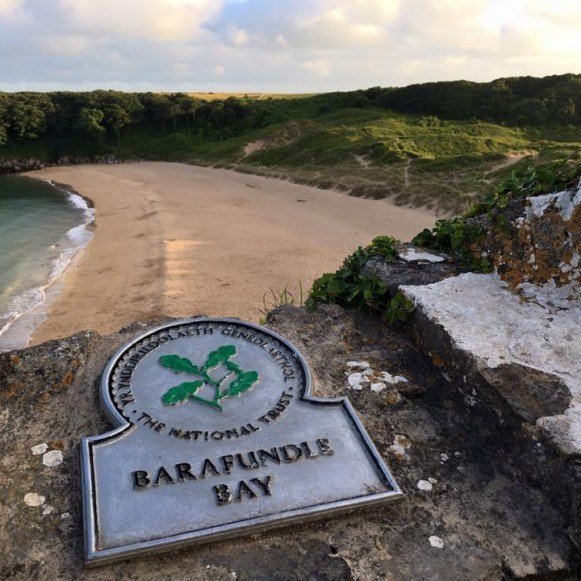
(26, 311)
(76, 200)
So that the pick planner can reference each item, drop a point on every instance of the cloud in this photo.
(9, 8)
(319, 67)
(154, 20)
(312, 23)
(238, 36)
(354, 23)
(281, 40)
(276, 45)
(61, 45)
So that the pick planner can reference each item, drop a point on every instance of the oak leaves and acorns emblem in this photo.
(233, 383)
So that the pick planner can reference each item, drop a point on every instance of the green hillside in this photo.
(441, 145)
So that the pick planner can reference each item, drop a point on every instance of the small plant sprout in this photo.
(276, 298)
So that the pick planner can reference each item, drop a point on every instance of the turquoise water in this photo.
(41, 228)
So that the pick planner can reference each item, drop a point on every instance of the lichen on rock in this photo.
(539, 242)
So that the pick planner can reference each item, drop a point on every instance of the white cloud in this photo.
(155, 20)
(238, 36)
(9, 8)
(296, 45)
(281, 40)
(341, 23)
(318, 67)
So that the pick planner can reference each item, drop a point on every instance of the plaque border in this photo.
(95, 556)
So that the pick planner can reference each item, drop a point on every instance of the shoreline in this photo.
(180, 240)
(17, 333)
(70, 190)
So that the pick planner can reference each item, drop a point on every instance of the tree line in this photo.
(513, 101)
(102, 116)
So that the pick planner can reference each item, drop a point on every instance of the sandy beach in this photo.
(179, 240)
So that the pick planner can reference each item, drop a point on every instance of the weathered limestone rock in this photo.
(496, 503)
(524, 346)
(528, 351)
(531, 393)
(535, 240)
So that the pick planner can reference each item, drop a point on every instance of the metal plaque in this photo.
(218, 436)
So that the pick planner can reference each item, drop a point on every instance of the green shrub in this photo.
(449, 235)
(349, 288)
(399, 309)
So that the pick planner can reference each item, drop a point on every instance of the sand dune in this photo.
(180, 240)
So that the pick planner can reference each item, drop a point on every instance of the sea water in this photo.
(42, 227)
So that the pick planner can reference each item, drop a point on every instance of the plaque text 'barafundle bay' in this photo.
(217, 436)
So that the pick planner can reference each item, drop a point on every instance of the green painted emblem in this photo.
(241, 381)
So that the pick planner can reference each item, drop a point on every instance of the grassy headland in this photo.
(439, 145)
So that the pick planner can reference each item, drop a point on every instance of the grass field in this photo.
(372, 152)
(210, 96)
(414, 160)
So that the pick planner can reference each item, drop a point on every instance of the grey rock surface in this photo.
(493, 329)
(399, 271)
(495, 504)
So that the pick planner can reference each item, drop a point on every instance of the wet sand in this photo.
(180, 240)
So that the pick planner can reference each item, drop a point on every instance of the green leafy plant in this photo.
(348, 287)
(455, 236)
(448, 235)
(241, 382)
(531, 181)
(399, 309)
(382, 246)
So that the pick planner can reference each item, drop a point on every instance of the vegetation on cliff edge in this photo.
(458, 237)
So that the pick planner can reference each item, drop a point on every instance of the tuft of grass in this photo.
(275, 298)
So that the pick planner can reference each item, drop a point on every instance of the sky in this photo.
(294, 46)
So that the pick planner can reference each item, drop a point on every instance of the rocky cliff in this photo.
(484, 497)
(474, 402)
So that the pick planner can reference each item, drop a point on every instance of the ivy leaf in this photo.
(181, 392)
(241, 384)
(178, 364)
(336, 286)
(221, 355)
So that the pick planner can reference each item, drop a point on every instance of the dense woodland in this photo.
(63, 120)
